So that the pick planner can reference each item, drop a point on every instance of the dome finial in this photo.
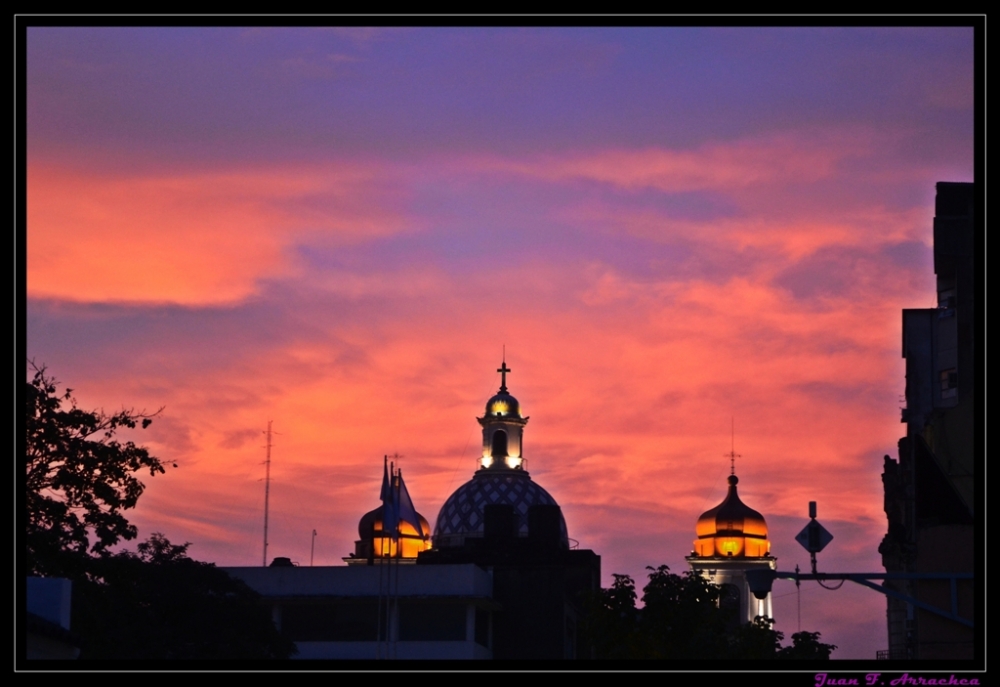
(733, 455)
(503, 370)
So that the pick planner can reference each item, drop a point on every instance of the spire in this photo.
(503, 426)
(390, 504)
(733, 455)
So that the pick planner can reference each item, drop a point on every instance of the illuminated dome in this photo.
(503, 404)
(370, 535)
(732, 529)
(501, 480)
(461, 515)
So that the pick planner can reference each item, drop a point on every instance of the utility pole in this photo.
(312, 549)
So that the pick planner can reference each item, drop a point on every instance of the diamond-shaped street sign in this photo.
(814, 537)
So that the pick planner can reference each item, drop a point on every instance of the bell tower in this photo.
(503, 429)
(732, 539)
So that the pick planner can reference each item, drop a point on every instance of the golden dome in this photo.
(502, 404)
(731, 529)
(374, 543)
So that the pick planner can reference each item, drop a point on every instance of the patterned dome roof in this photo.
(461, 515)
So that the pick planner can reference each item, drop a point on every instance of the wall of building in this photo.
(380, 611)
(732, 571)
(931, 490)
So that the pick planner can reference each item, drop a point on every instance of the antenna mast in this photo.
(267, 487)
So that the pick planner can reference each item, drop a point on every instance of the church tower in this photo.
(732, 539)
(503, 429)
(501, 482)
(503, 521)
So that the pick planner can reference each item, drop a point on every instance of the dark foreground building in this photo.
(930, 492)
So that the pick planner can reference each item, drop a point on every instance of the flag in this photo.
(390, 511)
(405, 512)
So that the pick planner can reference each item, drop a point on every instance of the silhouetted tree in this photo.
(79, 478)
(755, 640)
(681, 619)
(153, 603)
(612, 621)
(806, 646)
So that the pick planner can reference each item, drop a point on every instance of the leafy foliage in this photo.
(612, 620)
(79, 478)
(806, 646)
(681, 618)
(154, 603)
(160, 604)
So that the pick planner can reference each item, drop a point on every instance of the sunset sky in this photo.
(338, 229)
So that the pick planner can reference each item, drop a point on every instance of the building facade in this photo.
(930, 491)
(382, 611)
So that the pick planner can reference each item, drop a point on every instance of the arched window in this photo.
(499, 444)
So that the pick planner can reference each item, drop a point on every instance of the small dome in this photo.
(462, 515)
(503, 404)
(374, 518)
(732, 529)
(407, 545)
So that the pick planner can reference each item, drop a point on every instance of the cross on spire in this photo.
(733, 455)
(503, 370)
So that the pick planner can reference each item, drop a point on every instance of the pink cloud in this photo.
(801, 156)
(194, 238)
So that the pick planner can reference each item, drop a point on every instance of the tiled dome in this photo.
(461, 515)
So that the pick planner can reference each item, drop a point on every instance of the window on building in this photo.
(499, 444)
(949, 383)
(421, 621)
(483, 627)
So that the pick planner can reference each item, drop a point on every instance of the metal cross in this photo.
(503, 370)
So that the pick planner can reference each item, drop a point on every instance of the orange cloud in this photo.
(195, 238)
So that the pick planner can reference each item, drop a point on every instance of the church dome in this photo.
(502, 404)
(373, 543)
(462, 515)
(731, 529)
(372, 522)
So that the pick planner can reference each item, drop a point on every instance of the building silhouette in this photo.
(930, 491)
(499, 580)
(503, 521)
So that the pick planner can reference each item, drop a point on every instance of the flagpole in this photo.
(385, 488)
(378, 622)
(399, 555)
(390, 642)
